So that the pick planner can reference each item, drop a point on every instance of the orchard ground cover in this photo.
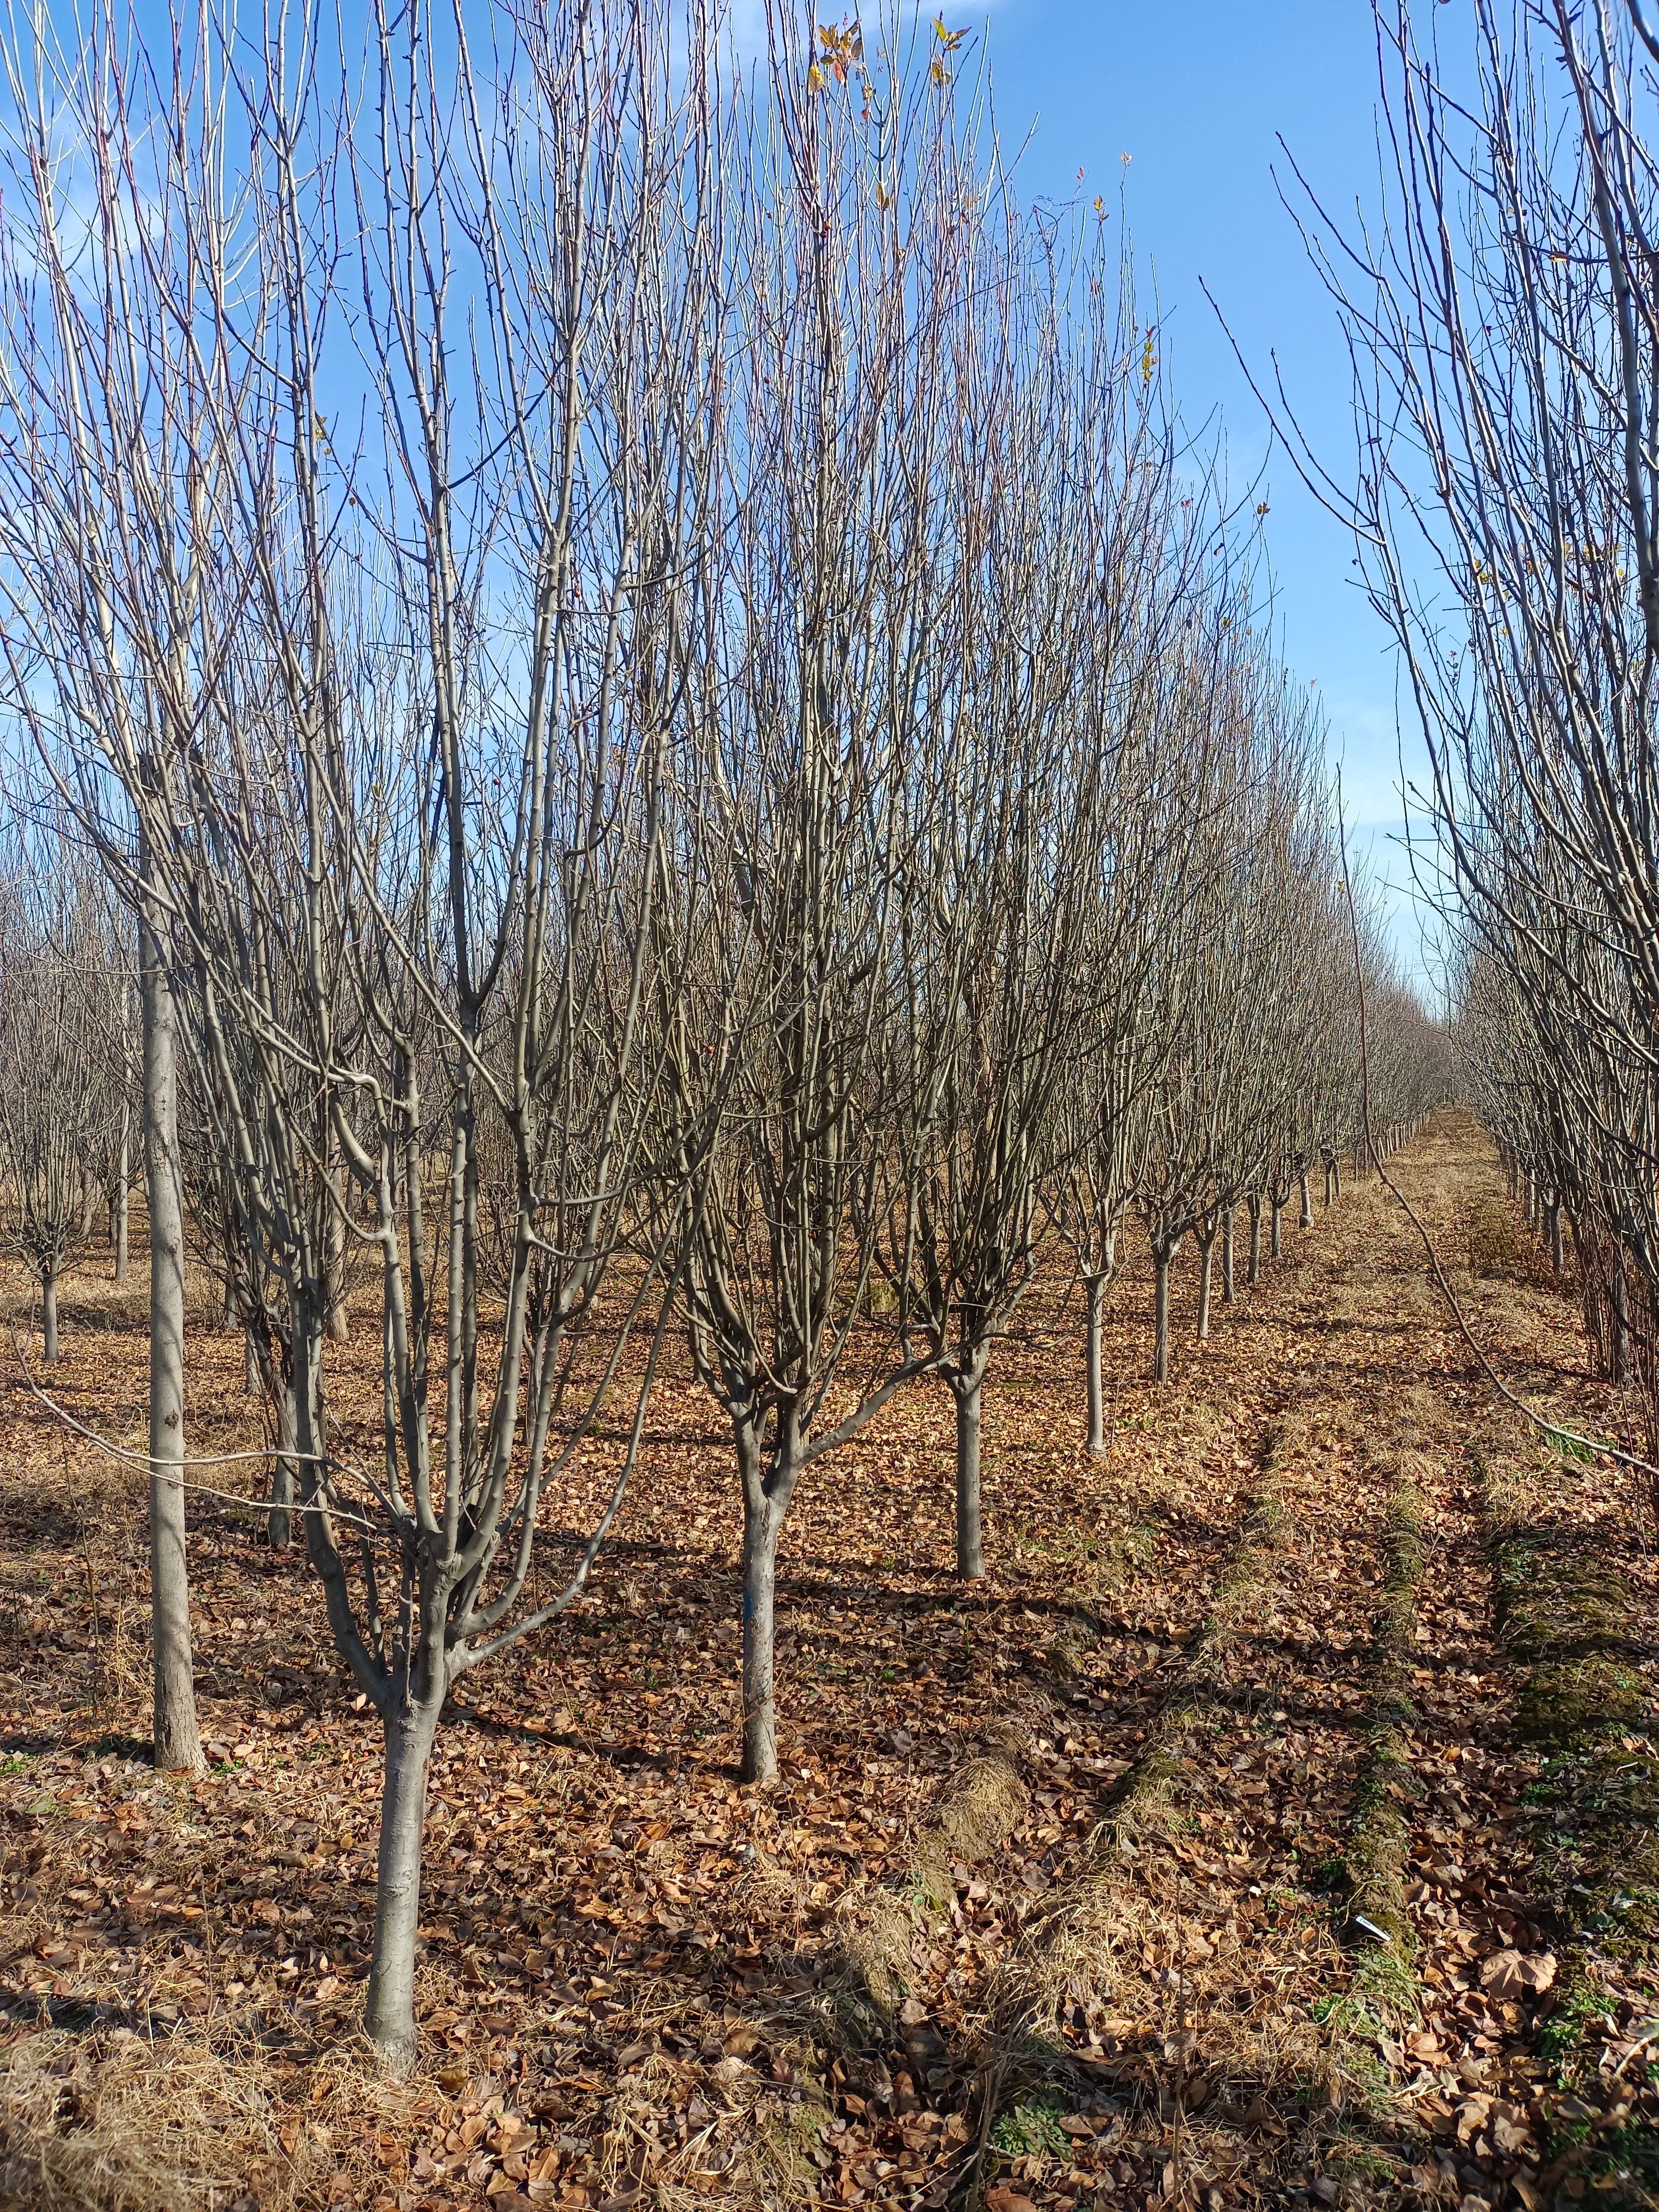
(1274, 1824)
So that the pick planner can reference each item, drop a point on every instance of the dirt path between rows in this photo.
(1273, 1825)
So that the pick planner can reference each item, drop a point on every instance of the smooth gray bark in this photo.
(49, 1352)
(337, 1326)
(1161, 1319)
(1557, 1255)
(967, 1390)
(123, 1202)
(280, 1526)
(177, 1745)
(389, 2012)
(1306, 1221)
(1205, 1256)
(761, 1530)
(1096, 1296)
(261, 1372)
(1276, 1245)
(1255, 1239)
(1228, 1286)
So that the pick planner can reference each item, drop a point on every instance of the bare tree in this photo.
(62, 993)
(1502, 323)
(1031, 838)
(420, 783)
(807, 668)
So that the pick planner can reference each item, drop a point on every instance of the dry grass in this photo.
(115, 2122)
(978, 1807)
(1494, 1248)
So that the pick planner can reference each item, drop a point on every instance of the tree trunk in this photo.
(335, 1326)
(49, 1316)
(760, 1577)
(1336, 1179)
(177, 1744)
(389, 2013)
(123, 1202)
(1557, 1255)
(1096, 1295)
(249, 1365)
(1161, 1319)
(1255, 1239)
(965, 1389)
(1306, 1221)
(280, 1526)
(1618, 1362)
(89, 1206)
(1277, 1246)
(1227, 1283)
(229, 1310)
(1206, 1255)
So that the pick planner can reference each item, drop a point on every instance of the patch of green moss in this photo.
(1556, 1606)
(1571, 1698)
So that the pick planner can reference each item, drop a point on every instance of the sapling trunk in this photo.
(280, 1522)
(1557, 1255)
(1276, 1245)
(1206, 1255)
(970, 1533)
(1161, 1319)
(1306, 1221)
(1619, 1361)
(250, 1364)
(1255, 1239)
(1336, 1179)
(49, 1315)
(336, 1325)
(177, 1743)
(1227, 1284)
(760, 1579)
(389, 2012)
(123, 1222)
(1096, 1296)
(89, 1206)
(124, 1201)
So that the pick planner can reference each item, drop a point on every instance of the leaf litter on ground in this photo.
(640, 1984)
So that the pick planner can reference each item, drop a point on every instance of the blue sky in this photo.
(1198, 94)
